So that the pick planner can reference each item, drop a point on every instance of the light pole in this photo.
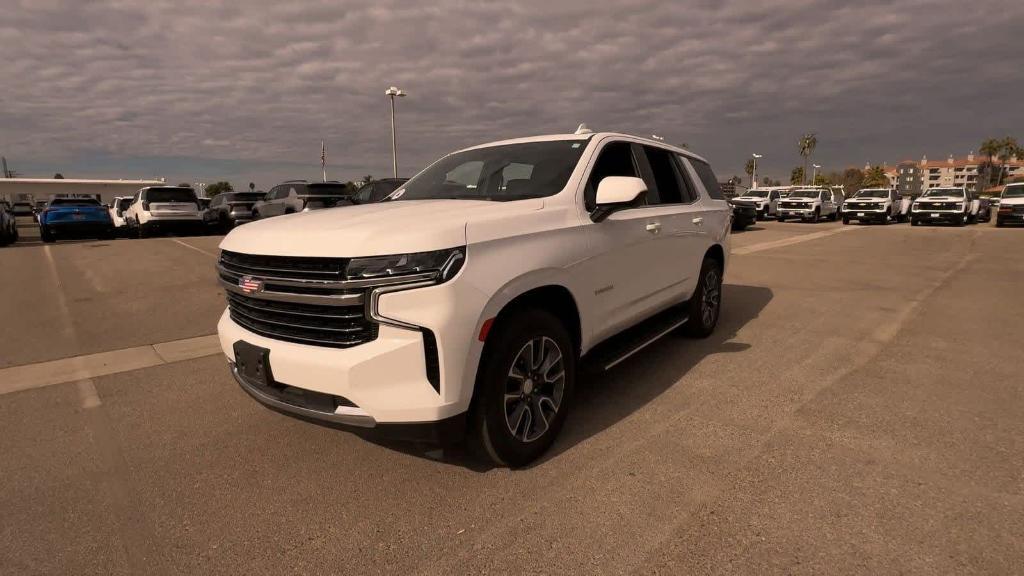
(814, 173)
(391, 93)
(753, 173)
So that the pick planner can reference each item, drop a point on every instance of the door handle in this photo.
(653, 227)
(698, 221)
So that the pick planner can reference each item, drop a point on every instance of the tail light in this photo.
(145, 205)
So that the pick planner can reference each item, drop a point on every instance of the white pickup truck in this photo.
(1011, 205)
(810, 203)
(765, 200)
(881, 205)
(464, 303)
(953, 205)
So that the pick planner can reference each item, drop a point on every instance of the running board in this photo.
(618, 348)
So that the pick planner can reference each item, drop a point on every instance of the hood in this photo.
(752, 198)
(371, 229)
(1015, 201)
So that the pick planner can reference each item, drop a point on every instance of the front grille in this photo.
(797, 205)
(291, 267)
(315, 324)
(939, 206)
(1018, 209)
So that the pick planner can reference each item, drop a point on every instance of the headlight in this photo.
(444, 264)
(959, 206)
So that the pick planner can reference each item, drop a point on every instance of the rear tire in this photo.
(846, 220)
(46, 236)
(523, 388)
(780, 219)
(705, 306)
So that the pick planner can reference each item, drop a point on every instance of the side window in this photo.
(615, 159)
(707, 177)
(272, 194)
(671, 186)
(515, 171)
(465, 175)
(825, 197)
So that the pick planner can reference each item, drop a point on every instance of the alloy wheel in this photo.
(534, 389)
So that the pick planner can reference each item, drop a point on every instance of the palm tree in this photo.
(990, 148)
(1008, 148)
(875, 177)
(807, 144)
(796, 176)
(749, 169)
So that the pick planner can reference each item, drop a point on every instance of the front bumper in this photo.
(854, 213)
(316, 407)
(937, 217)
(796, 212)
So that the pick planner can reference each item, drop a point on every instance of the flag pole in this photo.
(323, 159)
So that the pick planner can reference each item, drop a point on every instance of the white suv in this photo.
(1011, 205)
(163, 208)
(810, 203)
(466, 300)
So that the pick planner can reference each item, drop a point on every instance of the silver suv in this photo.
(301, 196)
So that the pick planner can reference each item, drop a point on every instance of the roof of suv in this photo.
(586, 137)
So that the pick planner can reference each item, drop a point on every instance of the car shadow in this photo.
(602, 399)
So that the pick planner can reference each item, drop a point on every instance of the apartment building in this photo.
(913, 178)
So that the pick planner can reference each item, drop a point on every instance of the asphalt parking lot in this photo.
(859, 410)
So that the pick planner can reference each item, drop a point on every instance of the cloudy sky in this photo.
(205, 90)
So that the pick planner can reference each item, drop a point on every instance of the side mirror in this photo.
(616, 193)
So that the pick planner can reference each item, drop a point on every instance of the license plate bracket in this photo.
(253, 363)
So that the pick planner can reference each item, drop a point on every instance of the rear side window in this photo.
(707, 177)
(672, 187)
(615, 159)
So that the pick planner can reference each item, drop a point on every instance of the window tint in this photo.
(170, 195)
(615, 159)
(672, 188)
(466, 175)
(707, 178)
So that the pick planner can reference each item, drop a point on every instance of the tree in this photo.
(797, 175)
(367, 179)
(852, 180)
(990, 148)
(58, 176)
(749, 169)
(806, 145)
(875, 177)
(1007, 148)
(218, 188)
(766, 181)
(735, 180)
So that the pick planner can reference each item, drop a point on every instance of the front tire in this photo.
(523, 389)
(46, 236)
(705, 306)
(846, 220)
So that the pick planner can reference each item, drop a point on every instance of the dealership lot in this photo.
(858, 410)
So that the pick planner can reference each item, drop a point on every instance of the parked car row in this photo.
(8, 224)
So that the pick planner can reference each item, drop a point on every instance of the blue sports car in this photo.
(75, 218)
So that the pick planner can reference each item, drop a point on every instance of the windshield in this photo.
(1013, 192)
(170, 195)
(957, 192)
(805, 194)
(880, 193)
(124, 203)
(756, 194)
(499, 173)
(74, 202)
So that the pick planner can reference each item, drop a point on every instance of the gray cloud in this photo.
(247, 90)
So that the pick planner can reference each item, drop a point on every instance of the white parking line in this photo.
(794, 240)
(187, 245)
(83, 368)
